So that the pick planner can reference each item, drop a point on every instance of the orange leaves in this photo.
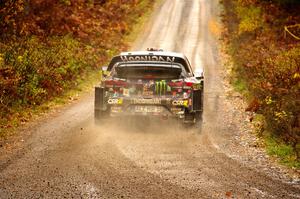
(46, 46)
(253, 105)
(228, 194)
(80, 18)
(268, 63)
(8, 16)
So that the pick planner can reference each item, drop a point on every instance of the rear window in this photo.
(139, 71)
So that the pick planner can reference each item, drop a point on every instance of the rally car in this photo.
(150, 83)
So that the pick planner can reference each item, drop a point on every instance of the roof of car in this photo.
(157, 52)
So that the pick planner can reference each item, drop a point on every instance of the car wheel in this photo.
(99, 116)
(193, 119)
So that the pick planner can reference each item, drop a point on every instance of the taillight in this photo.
(189, 84)
(180, 84)
(176, 84)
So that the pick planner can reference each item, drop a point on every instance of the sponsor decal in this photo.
(132, 90)
(146, 89)
(147, 93)
(126, 58)
(148, 109)
(116, 94)
(185, 95)
(116, 109)
(161, 87)
(115, 101)
(184, 103)
(146, 101)
(126, 92)
(197, 86)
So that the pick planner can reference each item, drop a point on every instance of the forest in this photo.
(263, 39)
(47, 46)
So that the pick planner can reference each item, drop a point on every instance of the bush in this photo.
(250, 18)
(46, 46)
(281, 94)
(287, 2)
(32, 71)
(267, 65)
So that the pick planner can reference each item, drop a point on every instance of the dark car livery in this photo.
(150, 83)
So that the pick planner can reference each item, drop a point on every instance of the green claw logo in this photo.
(160, 87)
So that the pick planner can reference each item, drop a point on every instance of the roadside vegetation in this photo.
(263, 39)
(48, 47)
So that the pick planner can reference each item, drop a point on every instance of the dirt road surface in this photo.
(66, 156)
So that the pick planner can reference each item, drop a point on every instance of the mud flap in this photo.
(197, 108)
(197, 100)
(99, 106)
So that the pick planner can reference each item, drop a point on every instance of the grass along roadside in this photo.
(283, 152)
(24, 115)
(80, 86)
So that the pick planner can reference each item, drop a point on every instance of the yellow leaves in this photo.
(250, 18)
(20, 58)
(268, 100)
(20, 6)
(296, 76)
(247, 2)
(65, 2)
(215, 27)
(279, 116)
(1, 59)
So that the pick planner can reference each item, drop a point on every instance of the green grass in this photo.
(285, 153)
(23, 115)
(275, 147)
(239, 85)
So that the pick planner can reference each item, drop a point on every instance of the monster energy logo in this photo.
(161, 87)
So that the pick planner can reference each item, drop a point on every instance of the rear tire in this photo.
(99, 116)
(193, 119)
(198, 116)
(101, 111)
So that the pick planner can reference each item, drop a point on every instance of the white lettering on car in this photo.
(180, 103)
(146, 101)
(147, 58)
(115, 101)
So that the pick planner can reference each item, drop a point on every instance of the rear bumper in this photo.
(160, 106)
(146, 110)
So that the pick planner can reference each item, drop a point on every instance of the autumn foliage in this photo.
(47, 45)
(267, 62)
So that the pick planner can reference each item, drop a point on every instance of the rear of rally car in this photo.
(155, 89)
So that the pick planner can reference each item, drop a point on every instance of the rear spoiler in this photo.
(149, 58)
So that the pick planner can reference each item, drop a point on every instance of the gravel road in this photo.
(64, 155)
